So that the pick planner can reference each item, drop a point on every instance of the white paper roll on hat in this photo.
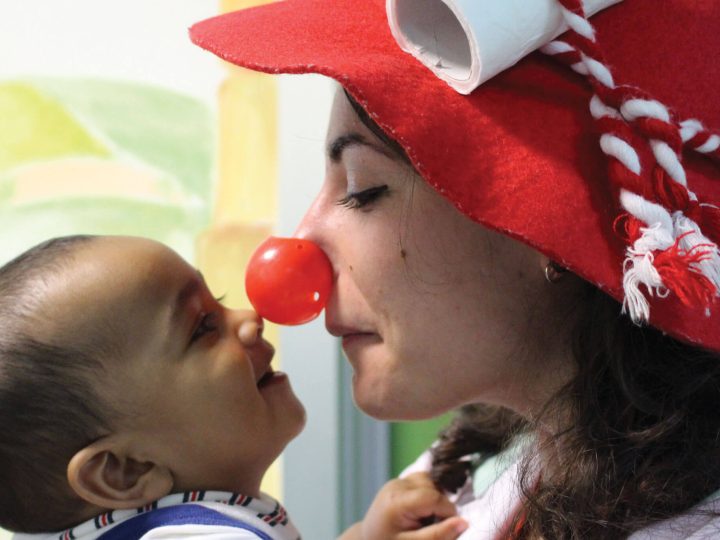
(467, 42)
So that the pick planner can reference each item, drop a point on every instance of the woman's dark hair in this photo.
(48, 409)
(641, 443)
(642, 440)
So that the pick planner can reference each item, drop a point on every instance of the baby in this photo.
(134, 405)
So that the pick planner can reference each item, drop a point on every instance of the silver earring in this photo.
(554, 272)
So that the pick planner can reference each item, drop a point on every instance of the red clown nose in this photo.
(288, 280)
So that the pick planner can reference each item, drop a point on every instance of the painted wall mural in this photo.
(102, 157)
(111, 127)
(112, 122)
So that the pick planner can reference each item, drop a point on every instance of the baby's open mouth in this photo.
(266, 377)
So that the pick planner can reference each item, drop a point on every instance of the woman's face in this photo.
(434, 311)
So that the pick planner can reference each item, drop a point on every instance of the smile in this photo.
(270, 378)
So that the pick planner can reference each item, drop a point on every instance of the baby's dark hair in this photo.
(48, 409)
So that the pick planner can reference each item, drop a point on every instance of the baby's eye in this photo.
(209, 322)
(363, 198)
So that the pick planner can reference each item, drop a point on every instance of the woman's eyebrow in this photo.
(336, 147)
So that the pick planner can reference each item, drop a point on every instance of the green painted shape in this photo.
(162, 128)
(23, 226)
(36, 126)
(410, 439)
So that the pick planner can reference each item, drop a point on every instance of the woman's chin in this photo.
(377, 401)
(371, 400)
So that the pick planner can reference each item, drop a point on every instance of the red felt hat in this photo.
(598, 189)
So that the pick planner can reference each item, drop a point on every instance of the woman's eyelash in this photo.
(363, 198)
(209, 322)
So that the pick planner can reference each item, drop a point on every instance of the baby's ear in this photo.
(106, 475)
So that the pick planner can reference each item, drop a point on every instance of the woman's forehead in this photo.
(350, 126)
(343, 117)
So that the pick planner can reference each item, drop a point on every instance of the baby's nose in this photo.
(250, 331)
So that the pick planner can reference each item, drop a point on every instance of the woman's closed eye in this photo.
(207, 323)
(363, 198)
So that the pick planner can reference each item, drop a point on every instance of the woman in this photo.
(488, 251)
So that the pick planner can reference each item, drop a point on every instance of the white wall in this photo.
(311, 483)
(333, 470)
(109, 39)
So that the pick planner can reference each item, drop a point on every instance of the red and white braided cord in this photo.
(667, 227)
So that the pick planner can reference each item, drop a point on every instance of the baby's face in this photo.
(194, 395)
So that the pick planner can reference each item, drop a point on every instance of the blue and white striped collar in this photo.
(264, 507)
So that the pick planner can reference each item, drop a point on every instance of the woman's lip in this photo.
(356, 337)
(341, 330)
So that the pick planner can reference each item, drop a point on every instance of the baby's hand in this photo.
(404, 505)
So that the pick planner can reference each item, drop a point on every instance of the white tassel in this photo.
(692, 238)
(639, 269)
(653, 238)
(651, 213)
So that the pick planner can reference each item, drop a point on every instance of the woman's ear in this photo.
(106, 475)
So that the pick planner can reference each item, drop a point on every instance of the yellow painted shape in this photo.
(248, 156)
(35, 126)
(234, 5)
(222, 255)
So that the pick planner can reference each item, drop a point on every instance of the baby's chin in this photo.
(301, 419)
(293, 422)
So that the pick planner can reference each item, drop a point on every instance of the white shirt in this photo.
(492, 497)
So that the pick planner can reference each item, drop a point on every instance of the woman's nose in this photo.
(309, 227)
(316, 226)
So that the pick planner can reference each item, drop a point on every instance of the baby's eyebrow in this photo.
(185, 293)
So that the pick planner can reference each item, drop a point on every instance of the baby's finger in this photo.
(419, 479)
(449, 529)
(425, 502)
